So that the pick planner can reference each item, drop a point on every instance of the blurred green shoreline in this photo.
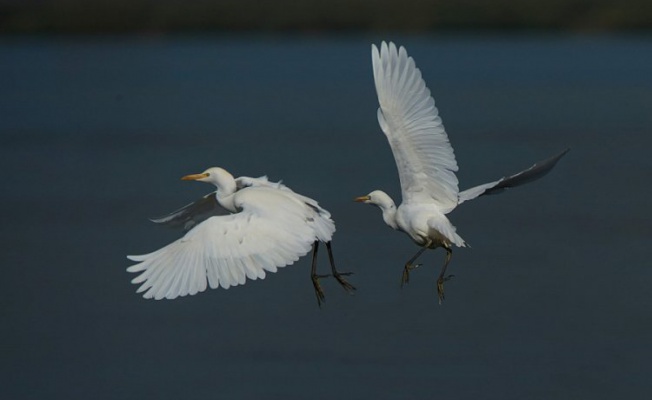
(126, 16)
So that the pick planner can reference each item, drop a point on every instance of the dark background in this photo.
(162, 16)
(98, 121)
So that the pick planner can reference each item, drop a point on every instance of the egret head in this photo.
(377, 198)
(381, 200)
(219, 177)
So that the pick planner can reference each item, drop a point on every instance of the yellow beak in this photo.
(194, 177)
(361, 199)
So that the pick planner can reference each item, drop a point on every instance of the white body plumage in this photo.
(269, 227)
(424, 158)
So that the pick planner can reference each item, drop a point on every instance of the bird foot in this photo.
(346, 285)
(440, 286)
(339, 277)
(406, 273)
(318, 290)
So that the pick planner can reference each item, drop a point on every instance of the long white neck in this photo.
(389, 216)
(227, 201)
(387, 206)
(226, 187)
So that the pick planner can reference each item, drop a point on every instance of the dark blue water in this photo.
(553, 300)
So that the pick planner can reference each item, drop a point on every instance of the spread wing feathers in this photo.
(408, 117)
(189, 216)
(537, 171)
(270, 232)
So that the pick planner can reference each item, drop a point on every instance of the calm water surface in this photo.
(553, 299)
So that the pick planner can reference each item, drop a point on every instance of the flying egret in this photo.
(248, 227)
(425, 161)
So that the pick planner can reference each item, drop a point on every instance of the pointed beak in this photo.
(361, 199)
(194, 177)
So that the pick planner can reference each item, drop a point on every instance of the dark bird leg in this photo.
(338, 275)
(315, 278)
(409, 266)
(442, 278)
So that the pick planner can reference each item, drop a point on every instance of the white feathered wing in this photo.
(408, 117)
(274, 229)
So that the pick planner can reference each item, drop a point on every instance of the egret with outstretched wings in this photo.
(248, 227)
(425, 160)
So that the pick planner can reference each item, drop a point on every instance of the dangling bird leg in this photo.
(315, 278)
(442, 278)
(409, 266)
(338, 275)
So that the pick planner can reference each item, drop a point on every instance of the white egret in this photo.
(425, 160)
(248, 227)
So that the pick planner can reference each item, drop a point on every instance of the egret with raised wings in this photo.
(248, 227)
(425, 161)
